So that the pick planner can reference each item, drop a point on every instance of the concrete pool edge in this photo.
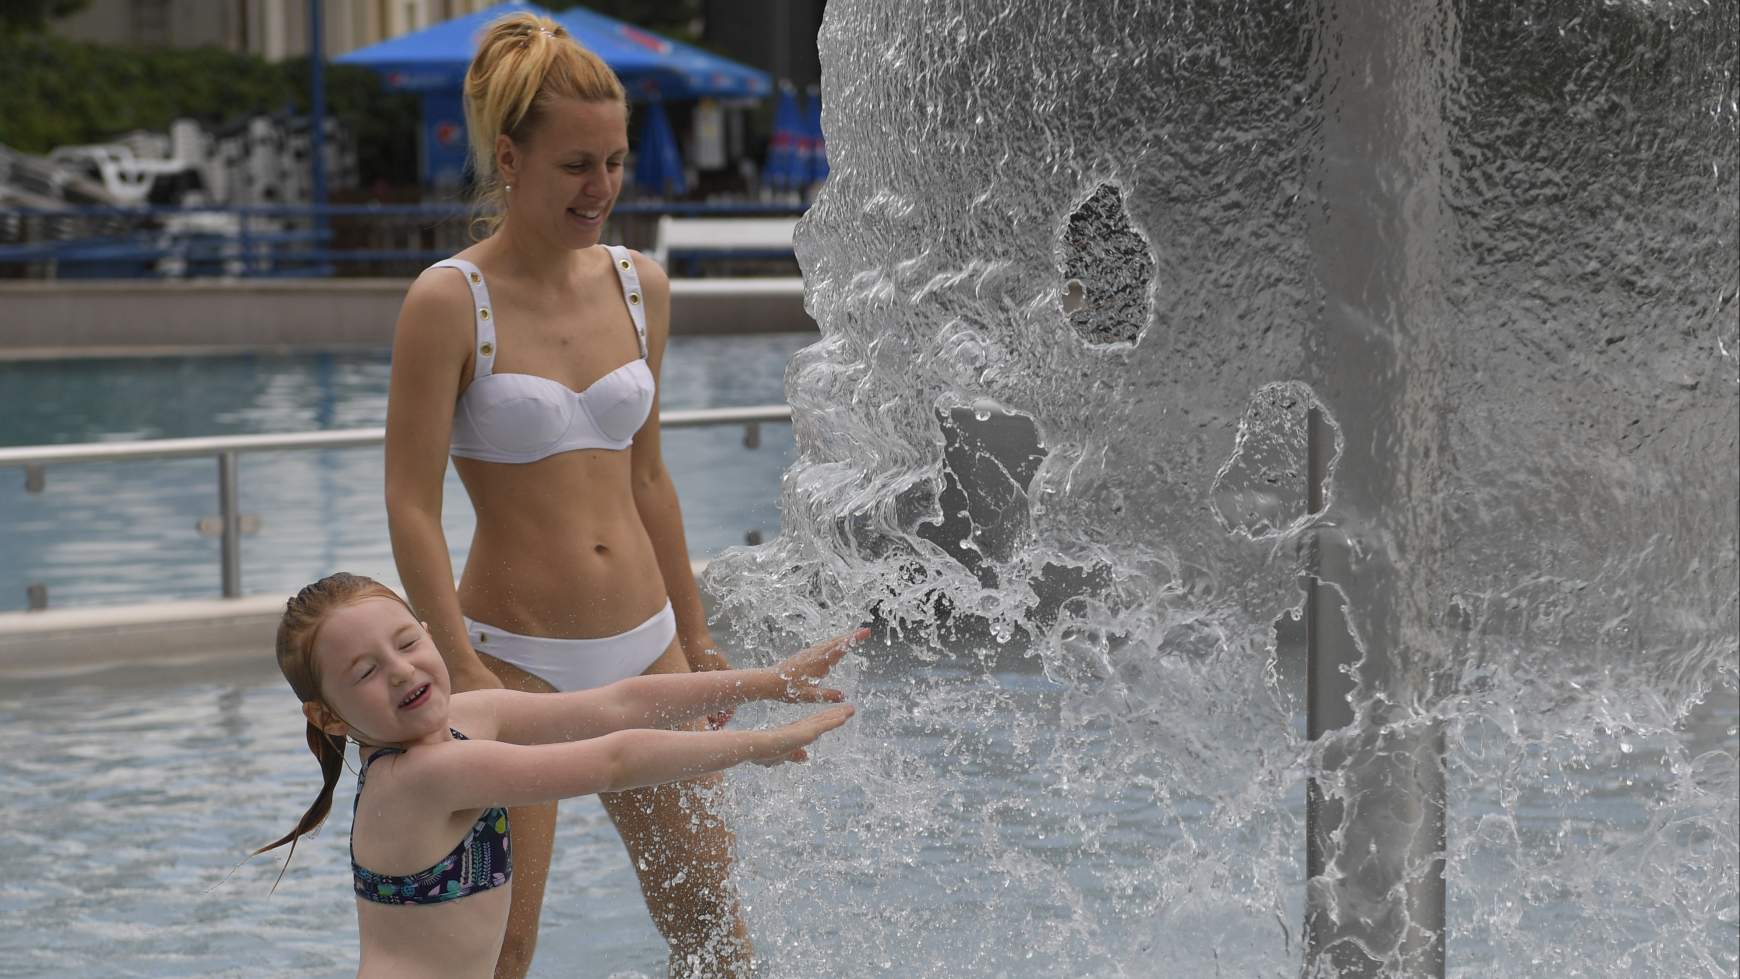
(110, 318)
(89, 639)
(74, 641)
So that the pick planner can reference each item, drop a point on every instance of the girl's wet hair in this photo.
(297, 631)
(523, 63)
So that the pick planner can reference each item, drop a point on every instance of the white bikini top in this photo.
(520, 418)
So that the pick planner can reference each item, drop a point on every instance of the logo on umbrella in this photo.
(652, 42)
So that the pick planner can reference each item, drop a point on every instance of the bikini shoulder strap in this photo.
(482, 314)
(631, 293)
(363, 772)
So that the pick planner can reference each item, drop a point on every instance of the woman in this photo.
(532, 358)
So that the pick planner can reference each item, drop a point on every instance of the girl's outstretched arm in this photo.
(462, 775)
(659, 700)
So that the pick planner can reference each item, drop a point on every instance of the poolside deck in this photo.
(80, 640)
(131, 318)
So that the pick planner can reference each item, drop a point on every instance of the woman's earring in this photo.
(508, 187)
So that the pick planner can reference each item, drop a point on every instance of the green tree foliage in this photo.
(19, 16)
(61, 92)
(383, 123)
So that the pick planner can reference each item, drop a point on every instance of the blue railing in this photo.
(90, 241)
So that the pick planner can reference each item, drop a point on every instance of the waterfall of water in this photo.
(1093, 279)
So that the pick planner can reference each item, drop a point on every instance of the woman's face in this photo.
(566, 175)
(381, 673)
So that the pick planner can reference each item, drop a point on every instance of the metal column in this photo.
(230, 514)
(1374, 843)
(1375, 815)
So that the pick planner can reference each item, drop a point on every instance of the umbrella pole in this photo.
(317, 121)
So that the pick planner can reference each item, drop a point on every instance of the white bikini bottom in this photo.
(579, 664)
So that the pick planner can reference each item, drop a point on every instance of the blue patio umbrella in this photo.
(818, 146)
(658, 161)
(434, 59)
(784, 168)
(432, 63)
(653, 66)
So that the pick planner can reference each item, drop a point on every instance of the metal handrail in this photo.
(431, 209)
(286, 240)
(341, 438)
(228, 448)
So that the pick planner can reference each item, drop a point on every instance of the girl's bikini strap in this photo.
(370, 760)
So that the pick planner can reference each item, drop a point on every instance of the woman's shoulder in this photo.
(438, 302)
(651, 273)
(441, 283)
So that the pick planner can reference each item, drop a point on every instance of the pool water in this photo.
(119, 873)
(115, 533)
(132, 798)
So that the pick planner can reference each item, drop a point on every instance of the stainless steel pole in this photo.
(1374, 904)
(230, 543)
(1375, 813)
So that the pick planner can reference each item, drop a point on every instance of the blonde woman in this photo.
(532, 359)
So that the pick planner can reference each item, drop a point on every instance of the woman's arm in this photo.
(431, 354)
(477, 774)
(657, 700)
(655, 497)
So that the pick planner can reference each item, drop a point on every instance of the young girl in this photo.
(430, 826)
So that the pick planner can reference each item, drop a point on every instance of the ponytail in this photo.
(329, 751)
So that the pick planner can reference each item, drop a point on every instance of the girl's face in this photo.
(566, 176)
(380, 674)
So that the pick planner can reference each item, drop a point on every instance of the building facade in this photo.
(272, 29)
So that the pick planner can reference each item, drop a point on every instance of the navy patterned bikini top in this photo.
(480, 861)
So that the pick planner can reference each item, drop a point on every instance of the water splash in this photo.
(1074, 320)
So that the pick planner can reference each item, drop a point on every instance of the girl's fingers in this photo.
(838, 646)
(815, 695)
(844, 644)
(801, 732)
(814, 726)
(831, 718)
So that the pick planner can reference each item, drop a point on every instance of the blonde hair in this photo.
(523, 63)
(297, 630)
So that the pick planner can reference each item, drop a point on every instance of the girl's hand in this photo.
(803, 671)
(779, 745)
(705, 659)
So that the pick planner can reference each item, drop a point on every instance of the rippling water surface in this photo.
(132, 797)
(114, 533)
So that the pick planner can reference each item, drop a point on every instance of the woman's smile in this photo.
(589, 218)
